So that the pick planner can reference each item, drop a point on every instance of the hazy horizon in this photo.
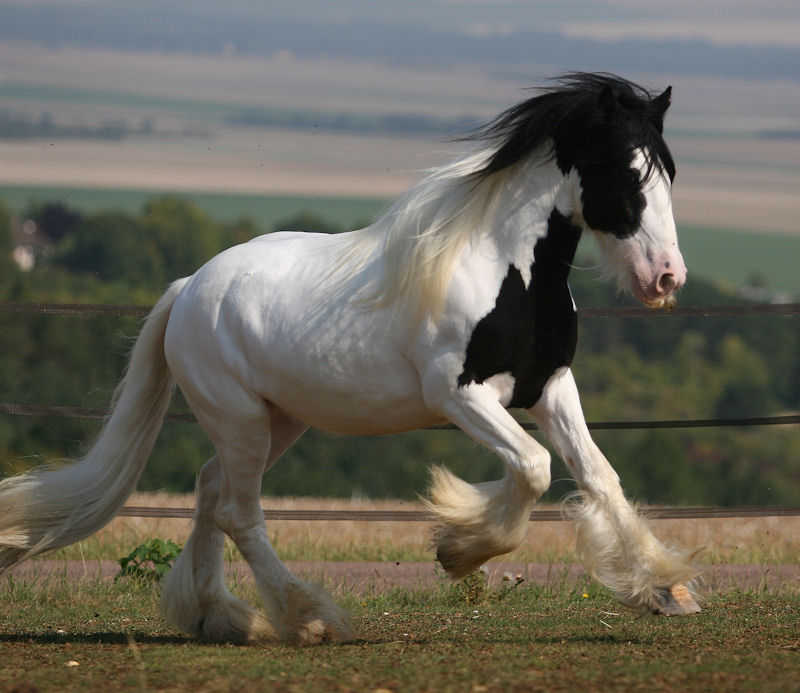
(352, 98)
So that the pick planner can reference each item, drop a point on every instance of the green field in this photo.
(736, 258)
(59, 634)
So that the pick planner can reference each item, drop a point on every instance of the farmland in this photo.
(266, 137)
(182, 130)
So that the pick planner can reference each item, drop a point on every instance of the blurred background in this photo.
(139, 139)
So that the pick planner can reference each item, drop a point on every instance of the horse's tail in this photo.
(56, 505)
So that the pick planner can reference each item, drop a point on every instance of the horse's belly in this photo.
(370, 400)
(352, 416)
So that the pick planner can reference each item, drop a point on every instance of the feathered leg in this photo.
(613, 540)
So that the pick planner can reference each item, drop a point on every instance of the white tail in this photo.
(57, 505)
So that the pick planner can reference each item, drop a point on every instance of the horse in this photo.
(452, 307)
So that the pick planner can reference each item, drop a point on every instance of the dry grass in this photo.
(767, 540)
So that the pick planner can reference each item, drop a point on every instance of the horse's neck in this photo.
(523, 212)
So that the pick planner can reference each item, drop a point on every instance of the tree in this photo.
(746, 391)
(307, 221)
(239, 231)
(8, 268)
(55, 219)
(110, 246)
(181, 234)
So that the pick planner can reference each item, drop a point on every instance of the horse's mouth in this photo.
(649, 296)
(661, 302)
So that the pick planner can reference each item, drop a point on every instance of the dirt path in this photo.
(368, 576)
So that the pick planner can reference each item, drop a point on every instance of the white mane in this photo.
(418, 239)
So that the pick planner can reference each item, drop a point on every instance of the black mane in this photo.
(590, 119)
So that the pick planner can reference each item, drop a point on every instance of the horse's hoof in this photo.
(457, 565)
(317, 632)
(675, 601)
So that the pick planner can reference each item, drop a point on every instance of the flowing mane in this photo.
(419, 237)
(417, 240)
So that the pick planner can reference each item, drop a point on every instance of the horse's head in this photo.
(631, 217)
(622, 193)
(606, 137)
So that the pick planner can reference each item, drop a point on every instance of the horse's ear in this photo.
(661, 104)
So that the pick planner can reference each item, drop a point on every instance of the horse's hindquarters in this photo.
(269, 316)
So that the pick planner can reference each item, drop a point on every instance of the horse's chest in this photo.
(532, 330)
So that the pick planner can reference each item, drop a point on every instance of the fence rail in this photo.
(101, 309)
(66, 412)
(689, 513)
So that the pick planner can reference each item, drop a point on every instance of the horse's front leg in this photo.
(479, 521)
(613, 540)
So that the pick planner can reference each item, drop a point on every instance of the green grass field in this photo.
(732, 258)
(735, 258)
(62, 635)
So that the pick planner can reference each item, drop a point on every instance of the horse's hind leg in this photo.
(249, 435)
(194, 595)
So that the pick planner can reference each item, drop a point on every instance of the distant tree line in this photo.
(16, 126)
(23, 126)
(626, 370)
(386, 123)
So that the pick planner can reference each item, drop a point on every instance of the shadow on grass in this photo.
(100, 638)
(490, 639)
(142, 638)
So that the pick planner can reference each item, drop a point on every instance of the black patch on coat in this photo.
(531, 331)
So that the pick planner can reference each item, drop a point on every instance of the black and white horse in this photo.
(453, 306)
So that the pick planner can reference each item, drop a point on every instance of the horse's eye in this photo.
(632, 177)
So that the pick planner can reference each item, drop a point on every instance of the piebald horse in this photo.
(452, 307)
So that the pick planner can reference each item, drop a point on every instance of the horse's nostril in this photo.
(666, 283)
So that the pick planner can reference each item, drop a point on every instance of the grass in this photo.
(58, 634)
(737, 258)
(565, 635)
